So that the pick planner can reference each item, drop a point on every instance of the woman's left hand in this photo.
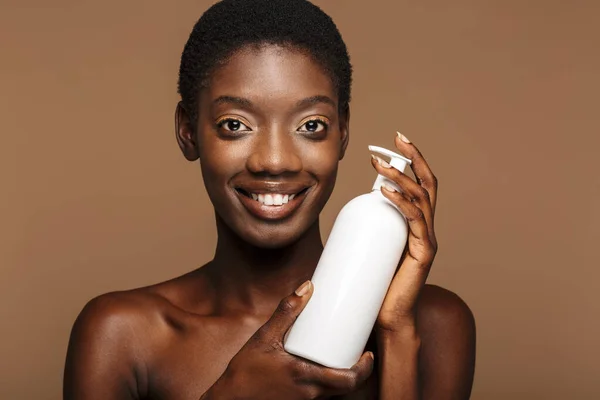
(417, 202)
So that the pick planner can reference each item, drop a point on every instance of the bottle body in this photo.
(350, 282)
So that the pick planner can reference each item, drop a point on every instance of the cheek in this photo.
(327, 170)
(323, 160)
(220, 161)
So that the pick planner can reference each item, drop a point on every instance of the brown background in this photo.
(501, 96)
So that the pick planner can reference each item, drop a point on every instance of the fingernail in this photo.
(403, 138)
(372, 355)
(389, 188)
(382, 162)
(303, 289)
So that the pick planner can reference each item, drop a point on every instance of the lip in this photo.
(272, 213)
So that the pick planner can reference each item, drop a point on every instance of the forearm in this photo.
(399, 365)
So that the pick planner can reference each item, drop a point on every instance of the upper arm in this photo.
(101, 353)
(447, 357)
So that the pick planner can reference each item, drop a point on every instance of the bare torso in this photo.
(173, 340)
(187, 343)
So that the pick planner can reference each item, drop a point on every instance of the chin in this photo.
(271, 237)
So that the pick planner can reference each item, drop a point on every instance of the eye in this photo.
(232, 125)
(314, 125)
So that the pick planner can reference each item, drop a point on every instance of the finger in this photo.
(413, 208)
(336, 381)
(411, 190)
(412, 274)
(417, 226)
(423, 173)
(416, 265)
(287, 311)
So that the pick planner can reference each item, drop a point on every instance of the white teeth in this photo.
(272, 199)
(277, 199)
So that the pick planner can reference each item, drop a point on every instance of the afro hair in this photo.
(230, 25)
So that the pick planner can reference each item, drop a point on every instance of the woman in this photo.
(265, 87)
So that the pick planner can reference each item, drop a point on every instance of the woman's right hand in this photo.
(262, 369)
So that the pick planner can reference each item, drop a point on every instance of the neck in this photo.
(252, 280)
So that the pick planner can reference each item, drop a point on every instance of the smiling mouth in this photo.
(271, 199)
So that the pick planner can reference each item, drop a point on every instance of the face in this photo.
(269, 138)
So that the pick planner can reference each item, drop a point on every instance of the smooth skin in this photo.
(269, 120)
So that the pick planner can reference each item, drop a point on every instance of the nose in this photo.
(274, 153)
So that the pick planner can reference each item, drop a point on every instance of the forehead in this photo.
(270, 72)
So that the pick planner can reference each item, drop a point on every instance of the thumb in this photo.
(287, 311)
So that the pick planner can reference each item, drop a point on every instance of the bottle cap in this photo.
(396, 160)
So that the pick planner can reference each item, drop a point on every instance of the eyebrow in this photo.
(233, 100)
(309, 101)
(240, 101)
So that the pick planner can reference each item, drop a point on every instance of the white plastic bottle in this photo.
(352, 277)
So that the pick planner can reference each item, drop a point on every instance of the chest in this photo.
(191, 360)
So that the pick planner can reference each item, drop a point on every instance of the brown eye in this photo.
(232, 125)
(313, 126)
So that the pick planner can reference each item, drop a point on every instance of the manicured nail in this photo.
(303, 289)
(389, 188)
(381, 162)
(403, 138)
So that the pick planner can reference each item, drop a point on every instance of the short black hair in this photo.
(230, 25)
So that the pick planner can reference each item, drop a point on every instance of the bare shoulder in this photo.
(440, 307)
(126, 319)
(116, 313)
(443, 318)
(105, 356)
(446, 327)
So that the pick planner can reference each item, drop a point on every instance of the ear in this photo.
(184, 132)
(344, 130)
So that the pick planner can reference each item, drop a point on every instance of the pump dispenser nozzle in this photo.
(396, 161)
